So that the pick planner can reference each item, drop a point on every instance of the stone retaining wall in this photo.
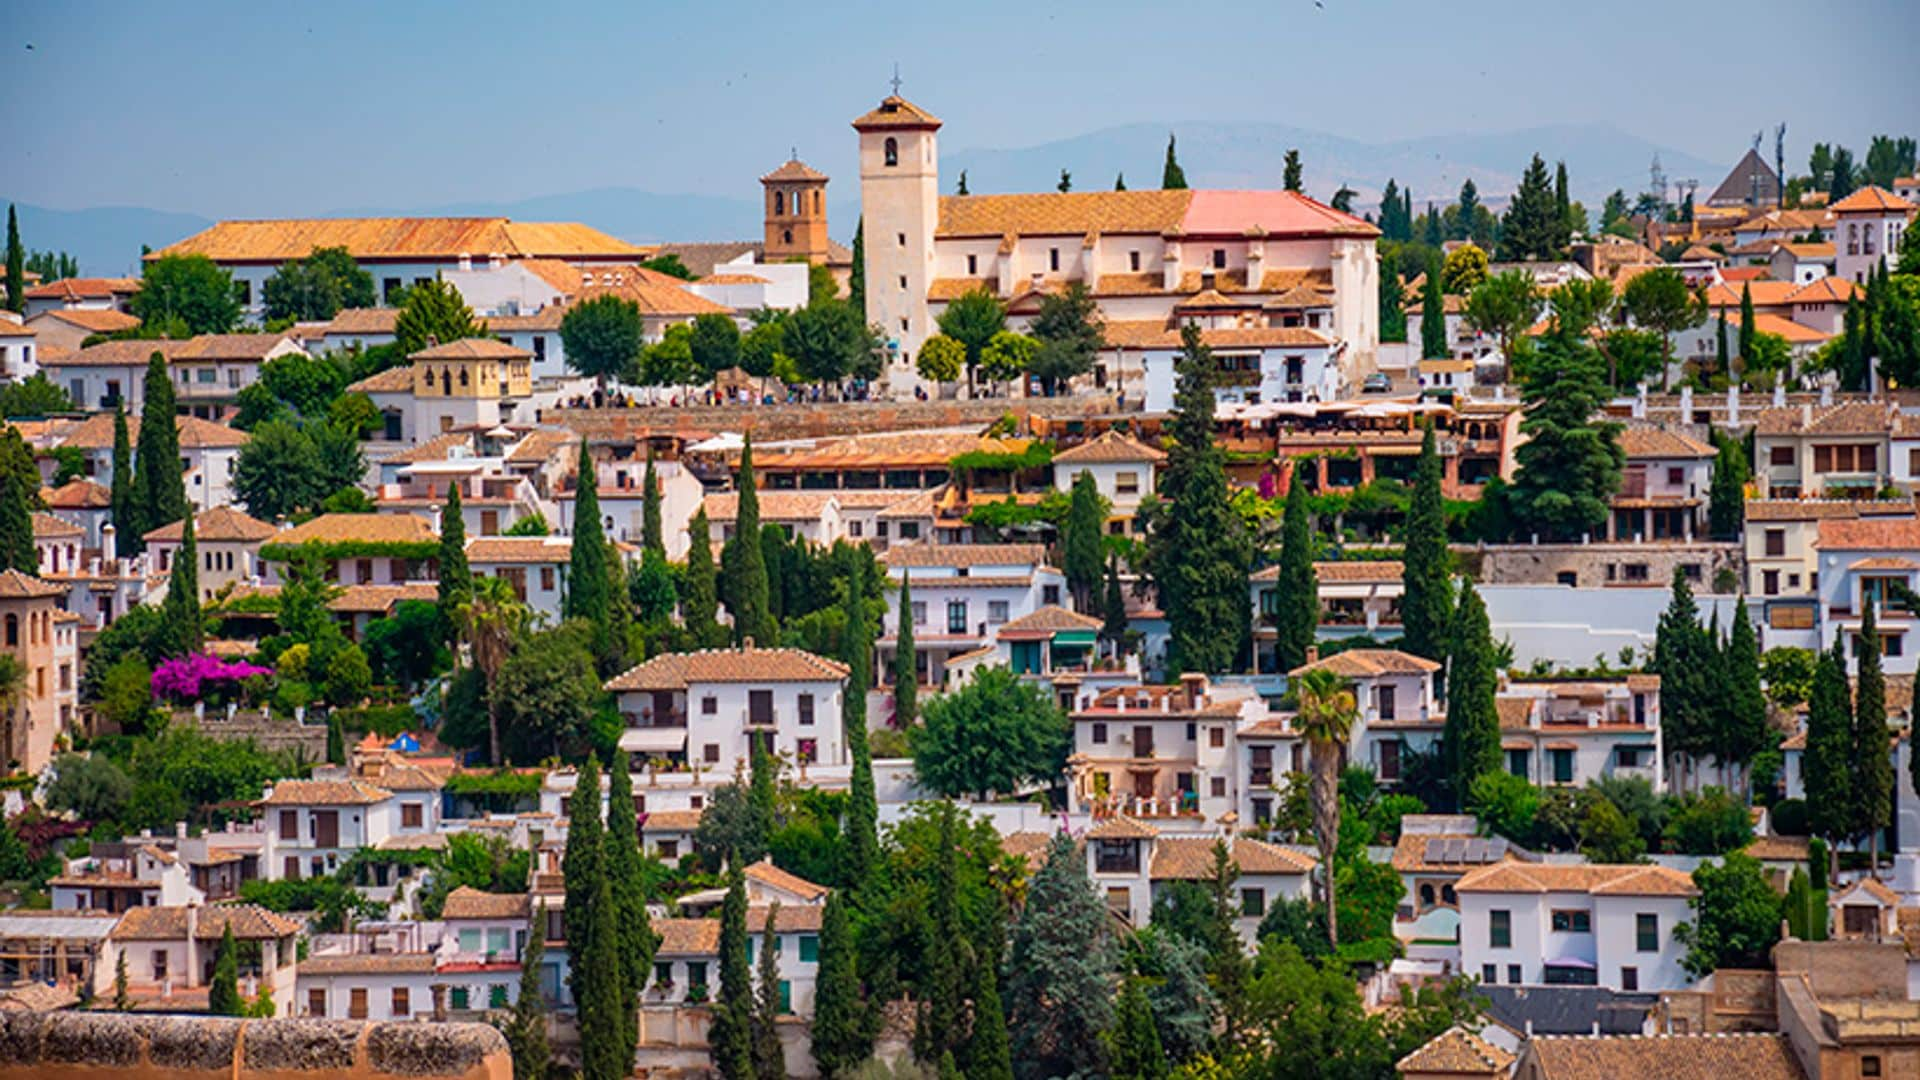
(109, 1046)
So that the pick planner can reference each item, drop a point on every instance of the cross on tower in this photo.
(896, 78)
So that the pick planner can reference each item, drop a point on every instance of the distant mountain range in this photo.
(1599, 158)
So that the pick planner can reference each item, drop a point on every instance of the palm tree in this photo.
(1326, 718)
(491, 620)
(13, 688)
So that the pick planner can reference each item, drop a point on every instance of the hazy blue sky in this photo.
(232, 109)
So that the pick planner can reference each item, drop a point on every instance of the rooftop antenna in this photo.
(1753, 175)
(896, 78)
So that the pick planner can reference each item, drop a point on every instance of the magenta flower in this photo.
(188, 678)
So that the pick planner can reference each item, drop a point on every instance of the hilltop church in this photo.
(1285, 289)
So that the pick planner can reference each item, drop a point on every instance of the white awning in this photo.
(653, 740)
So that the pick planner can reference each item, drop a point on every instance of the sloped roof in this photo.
(1047, 621)
(673, 671)
(1594, 878)
(372, 528)
(1364, 663)
(1845, 418)
(15, 585)
(380, 599)
(895, 111)
(1826, 290)
(80, 494)
(91, 288)
(794, 169)
(1870, 534)
(436, 238)
(96, 433)
(222, 523)
(1112, 446)
(47, 525)
(325, 793)
(368, 964)
(770, 875)
(1457, 1051)
(469, 903)
(1122, 827)
(1752, 182)
(964, 555)
(249, 921)
(1752, 1056)
(1190, 858)
(473, 348)
(520, 549)
(394, 380)
(92, 320)
(1653, 442)
(1867, 200)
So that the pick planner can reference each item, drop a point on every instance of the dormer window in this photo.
(892, 151)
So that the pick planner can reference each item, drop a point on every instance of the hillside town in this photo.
(1140, 633)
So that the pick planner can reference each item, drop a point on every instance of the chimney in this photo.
(109, 550)
(495, 261)
(193, 925)
(466, 261)
(1313, 654)
(1806, 414)
(1195, 685)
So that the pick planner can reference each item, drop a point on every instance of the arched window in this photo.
(1426, 895)
(779, 202)
(446, 381)
(463, 376)
(786, 236)
(893, 152)
(13, 631)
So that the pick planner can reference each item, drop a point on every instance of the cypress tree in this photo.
(1113, 609)
(1722, 361)
(906, 679)
(583, 864)
(223, 993)
(1681, 657)
(699, 608)
(857, 271)
(1471, 739)
(1873, 765)
(1081, 540)
(747, 590)
(122, 991)
(863, 805)
(587, 581)
(1290, 174)
(16, 262)
(762, 794)
(938, 1028)
(1393, 314)
(160, 488)
(730, 1034)
(1119, 181)
(1434, 235)
(456, 580)
(988, 1055)
(1427, 606)
(1828, 765)
(1197, 548)
(526, 1030)
(1297, 621)
(602, 1013)
(185, 632)
(336, 739)
(1172, 177)
(841, 1039)
(1563, 209)
(768, 1059)
(651, 537)
(1748, 330)
(1134, 1044)
(1433, 317)
(626, 875)
(1743, 728)
(19, 498)
(615, 655)
(126, 521)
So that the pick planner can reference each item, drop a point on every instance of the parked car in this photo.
(1377, 383)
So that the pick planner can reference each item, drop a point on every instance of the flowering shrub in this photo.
(189, 678)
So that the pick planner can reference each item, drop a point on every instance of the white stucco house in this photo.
(704, 709)
(1531, 924)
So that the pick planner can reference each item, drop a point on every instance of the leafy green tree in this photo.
(1426, 609)
(730, 1035)
(1471, 739)
(433, 313)
(1290, 174)
(1007, 356)
(1606, 836)
(34, 396)
(1068, 333)
(1571, 464)
(1061, 971)
(715, 343)
(1172, 177)
(941, 359)
(1713, 822)
(1659, 300)
(1433, 318)
(315, 288)
(349, 677)
(669, 361)
(973, 319)
(1198, 552)
(190, 288)
(160, 490)
(1535, 225)
(223, 993)
(1082, 538)
(1737, 917)
(1872, 761)
(1463, 270)
(747, 588)
(1133, 1046)
(827, 342)
(547, 692)
(700, 605)
(1504, 305)
(91, 787)
(16, 264)
(670, 265)
(602, 335)
(1297, 619)
(526, 1028)
(906, 678)
(996, 734)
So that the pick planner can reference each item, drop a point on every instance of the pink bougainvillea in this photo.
(188, 678)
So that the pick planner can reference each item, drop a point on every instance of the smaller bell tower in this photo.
(796, 205)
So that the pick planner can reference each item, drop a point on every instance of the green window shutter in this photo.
(809, 948)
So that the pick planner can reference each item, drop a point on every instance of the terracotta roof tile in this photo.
(1047, 621)
(444, 238)
(474, 348)
(394, 380)
(1154, 334)
(1846, 418)
(249, 922)
(15, 585)
(220, 524)
(1362, 663)
(1190, 858)
(768, 874)
(1822, 509)
(1594, 878)
(469, 903)
(1457, 1052)
(895, 111)
(540, 445)
(1671, 1057)
(1121, 827)
(1653, 442)
(672, 671)
(1876, 534)
(520, 549)
(797, 506)
(1793, 332)
(380, 599)
(1871, 199)
(1826, 290)
(794, 169)
(688, 937)
(907, 556)
(368, 964)
(1112, 446)
(49, 526)
(671, 821)
(325, 793)
(96, 433)
(92, 320)
(84, 289)
(372, 528)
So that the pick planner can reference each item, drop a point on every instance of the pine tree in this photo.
(456, 580)
(651, 537)
(1872, 763)
(747, 589)
(1828, 766)
(1297, 620)
(1743, 725)
(19, 498)
(160, 487)
(1427, 606)
(126, 519)
(1533, 226)
(584, 863)
(1748, 329)
(181, 609)
(223, 993)
(1433, 317)
(1081, 540)
(863, 807)
(906, 678)
(730, 1034)
(1471, 738)
(626, 875)
(841, 1036)
(1134, 1044)
(699, 608)
(1290, 175)
(1198, 551)
(768, 1059)
(16, 264)
(1571, 463)
(1172, 177)
(1061, 970)
(587, 569)
(526, 1029)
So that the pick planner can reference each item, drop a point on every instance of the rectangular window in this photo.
(1517, 763)
(1500, 929)
(786, 996)
(1573, 922)
(996, 611)
(290, 826)
(1050, 594)
(1053, 259)
(1217, 786)
(709, 706)
(973, 265)
(1099, 732)
(956, 616)
(499, 942)
(806, 710)
(1869, 1064)
(411, 815)
(1253, 902)
(1489, 974)
(1629, 978)
(1562, 766)
(696, 973)
(357, 1003)
(1133, 261)
(1646, 930)
(1216, 736)
(497, 996)
(400, 1004)
(809, 948)
(1776, 543)
(159, 964)
(1126, 483)
(711, 752)
(1219, 258)
(854, 529)
(471, 940)
(1513, 973)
